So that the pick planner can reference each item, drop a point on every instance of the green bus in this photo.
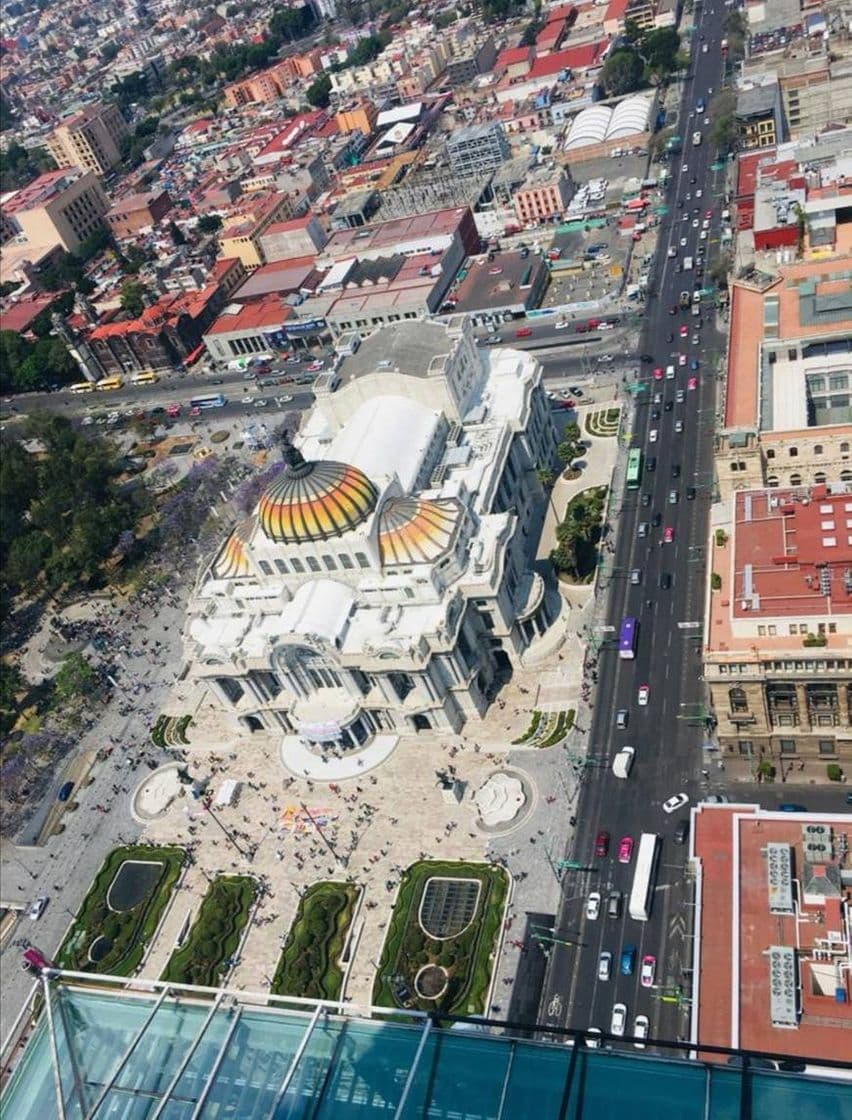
(634, 468)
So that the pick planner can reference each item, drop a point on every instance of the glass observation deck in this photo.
(177, 1054)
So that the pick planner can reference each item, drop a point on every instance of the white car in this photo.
(87, 420)
(678, 426)
(674, 803)
(640, 1031)
(593, 906)
(605, 965)
(699, 193)
(672, 251)
(652, 436)
(248, 400)
(683, 243)
(703, 235)
(644, 693)
(262, 403)
(619, 1020)
(602, 358)
(685, 169)
(561, 326)
(37, 908)
(593, 1038)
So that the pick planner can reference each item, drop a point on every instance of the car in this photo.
(699, 193)
(593, 906)
(673, 309)
(581, 328)
(65, 791)
(673, 496)
(601, 844)
(696, 223)
(716, 799)
(605, 965)
(87, 420)
(685, 169)
(690, 493)
(670, 337)
(706, 223)
(248, 400)
(658, 373)
(651, 464)
(636, 576)
(492, 339)
(655, 414)
(642, 529)
(677, 801)
(262, 403)
(665, 581)
(643, 694)
(314, 367)
(37, 907)
(693, 179)
(652, 435)
(678, 426)
(692, 384)
(613, 904)
(603, 358)
(790, 807)
(625, 849)
(683, 243)
(702, 235)
(621, 719)
(658, 398)
(657, 520)
(681, 832)
(675, 470)
(640, 1031)
(628, 960)
(669, 406)
(693, 365)
(648, 971)
(672, 251)
(293, 360)
(593, 1038)
(618, 1021)
(680, 396)
(645, 500)
(708, 214)
(681, 359)
(668, 535)
(695, 341)
(684, 331)
(195, 411)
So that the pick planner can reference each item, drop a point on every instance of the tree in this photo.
(318, 94)
(530, 33)
(659, 49)
(622, 73)
(721, 270)
(74, 678)
(176, 234)
(19, 165)
(109, 51)
(211, 223)
(132, 297)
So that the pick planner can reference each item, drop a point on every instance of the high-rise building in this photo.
(91, 139)
(60, 207)
(478, 148)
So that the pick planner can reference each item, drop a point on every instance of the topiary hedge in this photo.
(215, 933)
(308, 965)
(129, 931)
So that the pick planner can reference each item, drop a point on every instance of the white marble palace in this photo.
(385, 584)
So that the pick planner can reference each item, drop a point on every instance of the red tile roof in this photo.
(41, 190)
(19, 315)
(251, 316)
(512, 55)
(574, 58)
(786, 544)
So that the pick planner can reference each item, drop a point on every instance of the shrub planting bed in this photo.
(215, 933)
(309, 963)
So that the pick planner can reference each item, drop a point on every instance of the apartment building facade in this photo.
(60, 207)
(90, 140)
(546, 192)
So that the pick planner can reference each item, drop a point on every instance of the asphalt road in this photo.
(668, 745)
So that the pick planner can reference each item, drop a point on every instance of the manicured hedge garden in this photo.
(129, 930)
(308, 965)
(215, 933)
(466, 957)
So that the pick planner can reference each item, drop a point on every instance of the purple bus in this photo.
(627, 634)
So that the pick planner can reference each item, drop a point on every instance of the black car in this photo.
(655, 414)
(690, 493)
(665, 581)
(669, 406)
(669, 337)
(647, 357)
(657, 520)
(675, 470)
(645, 499)
(651, 464)
(681, 832)
(65, 791)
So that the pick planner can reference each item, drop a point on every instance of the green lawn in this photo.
(129, 931)
(308, 965)
(467, 957)
(215, 933)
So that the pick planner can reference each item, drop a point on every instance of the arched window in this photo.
(772, 480)
(795, 480)
(846, 476)
(819, 476)
(311, 669)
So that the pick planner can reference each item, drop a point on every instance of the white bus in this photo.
(644, 877)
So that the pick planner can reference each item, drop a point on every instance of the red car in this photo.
(668, 535)
(523, 332)
(564, 404)
(625, 849)
(684, 331)
(658, 374)
(601, 844)
(692, 383)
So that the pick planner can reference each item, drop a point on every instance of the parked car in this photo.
(681, 832)
(640, 1031)
(37, 907)
(65, 791)
(619, 1020)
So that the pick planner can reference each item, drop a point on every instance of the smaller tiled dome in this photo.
(314, 501)
(416, 532)
(232, 562)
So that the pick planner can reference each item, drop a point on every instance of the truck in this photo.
(623, 762)
(684, 300)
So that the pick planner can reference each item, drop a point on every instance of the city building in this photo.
(772, 965)
(813, 90)
(477, 148)
(134, 213)
(758, 116)
(294, 238)
(470, 57)
(384, 586)
(267, 1057)
(61, 207)
(359, 115)
(544, 195)
(247, 328)
(787, 417)
(778, 627)
(256, 213)
(90, 139)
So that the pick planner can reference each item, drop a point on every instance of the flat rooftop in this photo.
(233, 1054)
(497, 283)
(741, 915)
(410, 347)
(792, 553)
(420, 227)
